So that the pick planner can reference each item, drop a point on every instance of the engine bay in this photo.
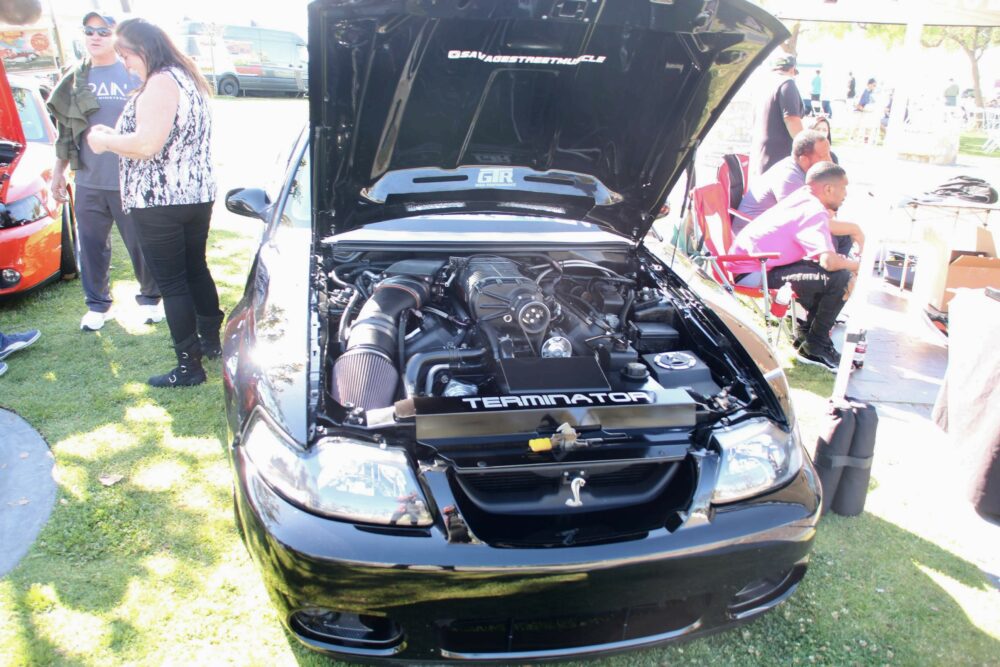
(558, 392)
(594, 335)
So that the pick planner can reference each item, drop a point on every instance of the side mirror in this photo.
(251, 202)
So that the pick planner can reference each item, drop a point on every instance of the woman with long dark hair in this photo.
(167, 180)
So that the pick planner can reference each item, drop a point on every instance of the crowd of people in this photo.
(795, 191)
(134, 125)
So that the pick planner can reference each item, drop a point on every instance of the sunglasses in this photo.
(102, 32)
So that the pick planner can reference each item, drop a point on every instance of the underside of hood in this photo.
(11, 134)
(519, 102)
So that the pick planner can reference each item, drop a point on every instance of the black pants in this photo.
(821, 292)
(95, 211)
(173, 240)
(843, 245)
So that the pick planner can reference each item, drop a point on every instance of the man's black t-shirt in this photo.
(772, 142)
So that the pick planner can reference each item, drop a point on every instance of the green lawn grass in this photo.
(971, 143)
(151, 571)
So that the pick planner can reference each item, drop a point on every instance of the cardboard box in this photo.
(973, 270)
(946, 237)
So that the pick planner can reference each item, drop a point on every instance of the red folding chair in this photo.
(712, 215)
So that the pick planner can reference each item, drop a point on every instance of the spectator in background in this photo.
(817, 87)
(11, 343)
(94, 93)
(951, 94)
(822, 125)
(798, 229)
(778, 118)
(867, 96)
(852, 90)
(167, 179)
(785, 177)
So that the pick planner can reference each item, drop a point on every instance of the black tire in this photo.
(229, 86)
(69, 255)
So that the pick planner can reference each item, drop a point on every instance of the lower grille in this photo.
(514, 635)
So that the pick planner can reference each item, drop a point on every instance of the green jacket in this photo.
(71, 104)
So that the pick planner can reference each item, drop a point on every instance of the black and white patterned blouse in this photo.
(181, 173)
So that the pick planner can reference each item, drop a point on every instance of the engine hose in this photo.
(377, 324)
(623, 316)
(416, 364)
(404, 321)
(429, 383)
(346, 316)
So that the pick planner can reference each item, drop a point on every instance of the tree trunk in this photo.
(977, 87)
(791, 44)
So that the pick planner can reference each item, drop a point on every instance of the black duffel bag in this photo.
(968, 188)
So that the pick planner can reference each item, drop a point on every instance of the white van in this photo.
(237, 59)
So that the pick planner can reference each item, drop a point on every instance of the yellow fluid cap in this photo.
(540, 444)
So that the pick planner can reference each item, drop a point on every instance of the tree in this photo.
(974, 42)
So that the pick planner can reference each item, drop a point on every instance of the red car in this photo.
(38, 241)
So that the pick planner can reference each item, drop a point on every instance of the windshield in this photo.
(31, 116)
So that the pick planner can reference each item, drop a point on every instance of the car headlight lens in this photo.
(339, 477)
(756, 456)
(23, 211)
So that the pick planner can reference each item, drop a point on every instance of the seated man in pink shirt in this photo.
(787, 176)
(798, 228)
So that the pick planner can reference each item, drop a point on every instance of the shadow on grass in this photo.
(147, 541)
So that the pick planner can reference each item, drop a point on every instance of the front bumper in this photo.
(33, 250)
(476, 602)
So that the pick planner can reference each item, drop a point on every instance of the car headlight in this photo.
(23, 211)
(756, 456)
(339, 477)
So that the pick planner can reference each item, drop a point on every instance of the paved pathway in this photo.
(27, 490)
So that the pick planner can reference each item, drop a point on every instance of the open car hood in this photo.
(11, 134)
(591, 108)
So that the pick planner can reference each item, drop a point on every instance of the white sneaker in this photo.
(151, 313)
(94, 320)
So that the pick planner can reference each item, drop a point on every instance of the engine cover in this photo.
(555, 374)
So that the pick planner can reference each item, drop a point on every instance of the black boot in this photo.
(188, 371)
(208, 334)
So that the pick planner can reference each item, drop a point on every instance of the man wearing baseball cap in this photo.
(93, 93)
(778, 118)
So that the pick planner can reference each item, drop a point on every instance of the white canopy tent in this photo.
(914, 14)
(900, 12)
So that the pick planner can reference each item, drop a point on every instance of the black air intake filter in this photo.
(365, 379)
(365, 375)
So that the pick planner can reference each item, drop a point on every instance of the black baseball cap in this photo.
(783, 61)
(108, 20)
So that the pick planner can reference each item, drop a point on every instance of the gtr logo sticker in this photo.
(495, 178)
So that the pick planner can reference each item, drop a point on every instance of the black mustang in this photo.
(472, 416)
